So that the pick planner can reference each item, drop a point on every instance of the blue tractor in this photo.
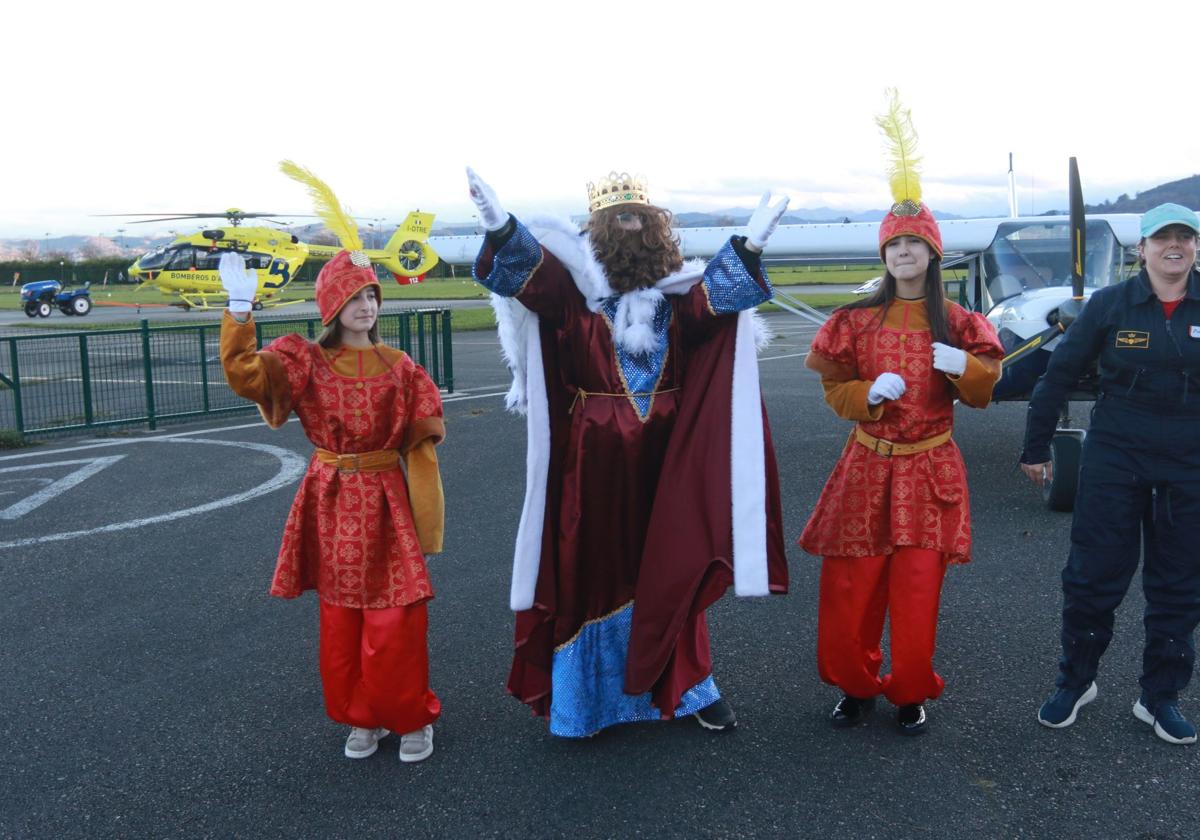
(41, 296)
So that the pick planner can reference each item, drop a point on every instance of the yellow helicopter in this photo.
(187, 267)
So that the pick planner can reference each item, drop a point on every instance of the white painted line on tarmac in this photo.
(55, 488)
(131, 441)
(291, 466)
(787, 356)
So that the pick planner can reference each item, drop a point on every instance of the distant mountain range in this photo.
(1185, 191)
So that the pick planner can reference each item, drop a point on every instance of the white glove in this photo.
(763, 221)
(241, 285)
(491, 214)
(888, 386)
(949, 359)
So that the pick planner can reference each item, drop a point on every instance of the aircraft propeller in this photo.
(1068, 310)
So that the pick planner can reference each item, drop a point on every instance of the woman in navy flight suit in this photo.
(1139, 475)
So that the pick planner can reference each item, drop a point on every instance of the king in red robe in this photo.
(651, 479)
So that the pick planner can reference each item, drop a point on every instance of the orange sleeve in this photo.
(977, 337)
(259, 377)
(833, 358)
(977, 381)
(425, 495)
(426, 429)
(849, 399)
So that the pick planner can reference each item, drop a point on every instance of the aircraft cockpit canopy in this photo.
(1025, 256)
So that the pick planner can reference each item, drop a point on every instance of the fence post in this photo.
(16, 385)
(435, 348)
(421, 338)
(447, 352)
(148, 373)
(204, 369)
(85, 375)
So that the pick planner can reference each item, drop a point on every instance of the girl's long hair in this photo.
(935, 301)
(331, 336)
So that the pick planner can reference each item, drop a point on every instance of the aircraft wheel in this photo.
(1065, 453)
(81, 305)
(257, 306)
(31, 309)
(43, 309)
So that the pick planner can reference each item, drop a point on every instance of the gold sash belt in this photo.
(581, 396)
(376, 461)
(887, 448)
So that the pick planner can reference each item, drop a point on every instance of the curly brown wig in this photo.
(635, 259)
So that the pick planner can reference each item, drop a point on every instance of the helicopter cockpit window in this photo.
(182, 259)
(154, 259)
(206, 260)
(1025, 257)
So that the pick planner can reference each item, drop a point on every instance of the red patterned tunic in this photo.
(349, 535)
(873, 503)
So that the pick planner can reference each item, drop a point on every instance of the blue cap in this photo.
(1157, 218)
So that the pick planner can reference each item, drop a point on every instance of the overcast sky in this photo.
(169, 106)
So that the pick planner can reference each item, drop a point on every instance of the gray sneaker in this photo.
(416, 746)
(363, 742)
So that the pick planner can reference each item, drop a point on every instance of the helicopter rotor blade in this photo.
(169, 219)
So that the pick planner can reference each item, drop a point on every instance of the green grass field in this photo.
(460, 288)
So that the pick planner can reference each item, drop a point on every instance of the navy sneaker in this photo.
(1062, 707)
(1168, 722)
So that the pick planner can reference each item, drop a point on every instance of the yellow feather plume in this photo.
(903, 167)
(326, 205)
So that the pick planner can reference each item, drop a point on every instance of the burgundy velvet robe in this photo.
(637, 509)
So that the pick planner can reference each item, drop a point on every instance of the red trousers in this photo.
(856, 592)
(375, 667)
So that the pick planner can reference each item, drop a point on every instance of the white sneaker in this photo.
(364, 742)
(416, 746)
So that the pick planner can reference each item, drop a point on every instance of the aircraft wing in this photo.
(815, 241)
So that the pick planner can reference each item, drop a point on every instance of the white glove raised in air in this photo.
(491, 214)
(763, 221)
(887, 386)
(949, 359)
(241, 285)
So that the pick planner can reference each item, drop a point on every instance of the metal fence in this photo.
(100, 378)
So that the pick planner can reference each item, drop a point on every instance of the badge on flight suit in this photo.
(1194, 331)
(1134, 339)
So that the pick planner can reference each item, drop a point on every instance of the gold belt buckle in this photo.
(887, 443)
(352, 466)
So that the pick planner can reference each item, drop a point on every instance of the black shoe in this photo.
(718, 717)
(911, 719)
(850, 711)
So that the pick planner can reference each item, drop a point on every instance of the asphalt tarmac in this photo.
(149, 687)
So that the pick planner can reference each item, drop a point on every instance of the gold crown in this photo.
(617, 188)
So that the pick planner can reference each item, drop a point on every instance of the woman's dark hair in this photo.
(635, 259)
(935, 300)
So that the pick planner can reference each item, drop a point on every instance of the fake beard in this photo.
(632, 264)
